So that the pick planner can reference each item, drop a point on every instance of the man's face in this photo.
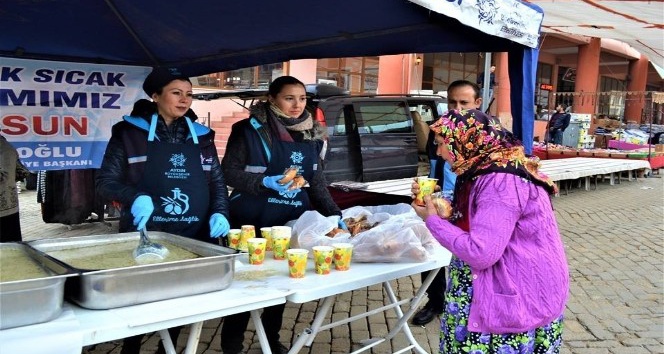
(463, 97)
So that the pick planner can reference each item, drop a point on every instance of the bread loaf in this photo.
(443, 207)
(289, 174)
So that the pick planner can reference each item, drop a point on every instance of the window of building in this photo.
(440, 69)
(611, 98)
(358, 74)
(257, 77)
(544, 87)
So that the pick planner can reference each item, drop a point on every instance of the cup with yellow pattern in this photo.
(297, 262)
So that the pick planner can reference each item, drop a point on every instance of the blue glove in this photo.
(272, 182)
(141, 210)
(219, 226)
(342, 225)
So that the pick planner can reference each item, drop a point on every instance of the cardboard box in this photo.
(659, 148)
(608, 124)
(602, 140)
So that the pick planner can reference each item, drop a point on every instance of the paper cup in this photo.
(343, 252)
(266, 233)
(247, 232)
(427, 186)
(280, 241)
(256, 248)
(234, 238)
(297, 262)
(323, 259)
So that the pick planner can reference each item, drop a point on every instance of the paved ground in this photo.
(614, 238)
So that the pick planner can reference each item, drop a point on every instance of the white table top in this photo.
(83, 327)
(556, 169)
(314, 286)
(577, 167)
(86, 327)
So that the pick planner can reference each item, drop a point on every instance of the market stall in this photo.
(78, 326)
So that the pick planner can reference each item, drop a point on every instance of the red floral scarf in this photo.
(479, 144)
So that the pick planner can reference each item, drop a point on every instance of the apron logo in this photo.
(177, 160)
(297, 157)
(176, 205)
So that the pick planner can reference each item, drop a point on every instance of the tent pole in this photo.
(486, 81)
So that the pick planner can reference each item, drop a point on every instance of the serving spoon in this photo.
(148, 251)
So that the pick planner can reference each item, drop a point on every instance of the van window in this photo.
(425, 111)
(442, 108)
(340, 126)
(382, 117)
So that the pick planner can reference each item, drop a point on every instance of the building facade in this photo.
(590, 75)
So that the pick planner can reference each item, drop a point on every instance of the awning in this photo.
(659, 70)
(635, 22)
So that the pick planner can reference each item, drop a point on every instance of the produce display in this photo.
(17, 265)
(113, 255)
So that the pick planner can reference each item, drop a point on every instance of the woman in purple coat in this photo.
(508, 278)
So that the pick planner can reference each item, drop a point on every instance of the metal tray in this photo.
(32, 301)
(118, 287)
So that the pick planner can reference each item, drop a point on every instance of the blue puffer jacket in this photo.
(117, 179)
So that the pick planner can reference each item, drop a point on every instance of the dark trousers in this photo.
(234, 326)
(132, 345)
(436, 290)
(10, 228)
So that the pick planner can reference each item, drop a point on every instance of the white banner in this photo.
(59, 115)
(502, 18)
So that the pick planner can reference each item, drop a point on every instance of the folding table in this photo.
(87, 327)
(314, 287)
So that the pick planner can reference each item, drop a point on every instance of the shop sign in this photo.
(546, 87)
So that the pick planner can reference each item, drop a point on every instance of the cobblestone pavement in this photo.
(614, 238)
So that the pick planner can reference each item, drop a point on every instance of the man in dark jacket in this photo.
(558, 123)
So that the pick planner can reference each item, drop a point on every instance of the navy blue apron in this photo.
(174, 177)
(271, 208)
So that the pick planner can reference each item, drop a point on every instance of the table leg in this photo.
(401, 324)
(194, 337)
(260, 332)
(167, 342)
(306, 338)
(321, 313)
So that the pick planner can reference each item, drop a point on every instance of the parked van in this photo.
(376, 137)
(371, 137)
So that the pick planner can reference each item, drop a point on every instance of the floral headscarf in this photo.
(479, 145)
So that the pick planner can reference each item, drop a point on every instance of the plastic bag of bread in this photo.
(390, 233)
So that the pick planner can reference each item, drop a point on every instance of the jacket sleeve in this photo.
(110, 180)
(492, 223)
(217, 184)
(234, 161)
(565, 121)
(320, 195)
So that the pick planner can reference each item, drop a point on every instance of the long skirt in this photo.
(456, 338)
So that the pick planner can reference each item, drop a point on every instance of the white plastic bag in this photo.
(398, 234)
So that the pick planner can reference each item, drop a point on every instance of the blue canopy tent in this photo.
(210, 36)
